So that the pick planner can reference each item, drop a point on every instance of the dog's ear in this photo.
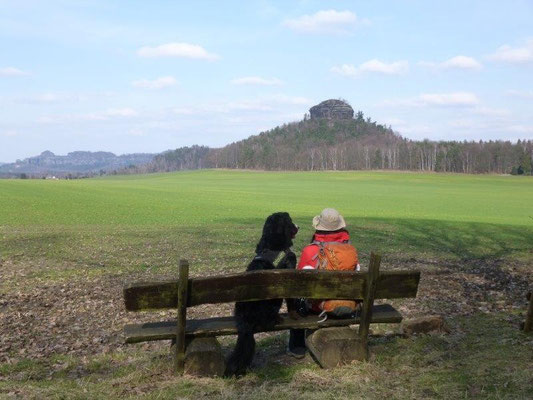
(267, 236)
(288, 229)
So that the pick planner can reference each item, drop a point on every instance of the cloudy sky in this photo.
(146, 76)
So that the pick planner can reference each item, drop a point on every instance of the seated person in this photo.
(330, 249)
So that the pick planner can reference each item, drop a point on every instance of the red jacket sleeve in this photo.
(308, 256)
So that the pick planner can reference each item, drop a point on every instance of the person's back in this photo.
(330, 249)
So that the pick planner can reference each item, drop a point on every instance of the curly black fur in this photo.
(251, 316)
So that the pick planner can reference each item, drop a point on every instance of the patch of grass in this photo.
(485, 357)
(222, 197)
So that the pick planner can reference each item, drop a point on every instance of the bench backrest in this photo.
(272, 284)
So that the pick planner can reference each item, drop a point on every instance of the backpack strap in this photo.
(321, 263)
(273, 255)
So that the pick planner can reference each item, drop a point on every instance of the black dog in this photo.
(278, 232)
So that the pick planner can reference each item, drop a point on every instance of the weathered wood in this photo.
(166, 330)
(263, 285)
(203, 357)
(528, 324)
(179, 355)
(332, 347)
(368, 301)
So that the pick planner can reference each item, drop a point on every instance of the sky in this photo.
(147, 76)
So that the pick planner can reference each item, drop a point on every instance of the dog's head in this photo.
(278, 232)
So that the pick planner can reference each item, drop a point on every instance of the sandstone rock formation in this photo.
(332, 109)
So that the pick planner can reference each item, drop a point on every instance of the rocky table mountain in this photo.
(331, 109)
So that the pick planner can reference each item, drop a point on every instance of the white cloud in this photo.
(273, 104)
(184, 110)
(463, 123)
(185, 50)
(523, 129)
(120, 112)
(50, 98)
(454, 99)
(46, 98)
(457, 62)
(523, 94)
(449, 99)
(136, 132)
(492, 112)
(9, 133)
(291, 100)
(112, 113)
(372, 66)
(12, 71)
(325, 21)
(249, 106)
(256, 80)
(514, 55)
(394, 68)
(462, 62)
(345, 70)
(158, 83)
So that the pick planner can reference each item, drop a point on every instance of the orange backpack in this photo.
(336, 256)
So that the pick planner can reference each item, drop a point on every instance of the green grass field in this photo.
(215, 197)
(66, 247)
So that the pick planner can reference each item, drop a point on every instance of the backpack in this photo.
(336, 256)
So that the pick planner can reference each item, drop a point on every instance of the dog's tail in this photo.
(242, 355)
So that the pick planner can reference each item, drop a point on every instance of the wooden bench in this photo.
(196, 350)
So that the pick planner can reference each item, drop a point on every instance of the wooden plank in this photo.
(397, 284)
(262, 285)
(220, 326)
(368, 302)
(179, 352)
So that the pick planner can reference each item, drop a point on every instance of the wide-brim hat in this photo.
(329, 220)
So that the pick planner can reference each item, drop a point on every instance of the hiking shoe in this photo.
(342, 312)
(296, 352)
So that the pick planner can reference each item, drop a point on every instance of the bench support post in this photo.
(332, 347)
(368, 301)
(203, 357)
(528, 323)
(179, 348)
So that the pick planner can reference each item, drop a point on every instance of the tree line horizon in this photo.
(349, 144)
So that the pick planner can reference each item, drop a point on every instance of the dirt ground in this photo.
(85, 315)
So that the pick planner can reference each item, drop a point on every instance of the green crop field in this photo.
(66, 247)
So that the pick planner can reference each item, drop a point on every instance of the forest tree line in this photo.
(356, 144)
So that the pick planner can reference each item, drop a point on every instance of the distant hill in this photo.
(74, 163)
(306, 145)
(333, 137)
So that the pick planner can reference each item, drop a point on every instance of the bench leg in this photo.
(203, 357)
(332, 347)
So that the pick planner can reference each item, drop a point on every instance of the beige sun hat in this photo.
(329, 220)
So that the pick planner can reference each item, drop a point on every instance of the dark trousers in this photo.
(296, 338)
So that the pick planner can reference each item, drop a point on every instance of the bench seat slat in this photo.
(166, 330)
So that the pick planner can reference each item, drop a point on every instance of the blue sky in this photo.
(139, 76)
